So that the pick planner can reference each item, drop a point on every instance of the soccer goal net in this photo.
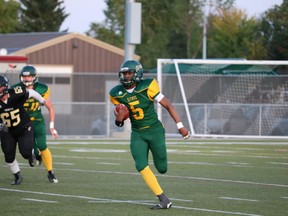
(226, 98)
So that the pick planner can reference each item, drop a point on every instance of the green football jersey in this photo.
(31, 105)
(140, 102)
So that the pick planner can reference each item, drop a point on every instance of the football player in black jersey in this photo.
(16, 126)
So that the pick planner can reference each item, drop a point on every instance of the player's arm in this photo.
(51, 111)
(174, 114)
(154, 93)
(119, 115)
(36, 95)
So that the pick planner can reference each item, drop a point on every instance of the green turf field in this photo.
(97, 177)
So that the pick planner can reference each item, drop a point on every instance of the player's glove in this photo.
(3, 128)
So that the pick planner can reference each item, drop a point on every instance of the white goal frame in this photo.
(176, 62)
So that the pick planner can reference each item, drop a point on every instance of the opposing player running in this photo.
(16, 126)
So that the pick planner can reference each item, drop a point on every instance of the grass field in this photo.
(205, 177)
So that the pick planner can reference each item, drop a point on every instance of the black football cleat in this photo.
(164, 203)
(51, 177)
(18, 179)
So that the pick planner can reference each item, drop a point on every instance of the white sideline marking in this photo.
(112, 142)
(225, 151)
(91, 199)
(68, 164)
(277, 163)
(170, 162)
(179, 177)
(223, 142)
(99, 150)
(114, 164)
(176, 177)
(205, 142)
(284, 197)
(212, 164)
(37, 200)
(180, 151)
(237, 163)
(164, 176)
(224, 180)
(182, 200)
(239, 199)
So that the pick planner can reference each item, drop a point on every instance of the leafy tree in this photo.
(42, 15)
(9, 16)
(156, 15)
(170, 28)
(159, 20)
(174, 29)
(233, 35)
(112, 29)
(274, 28)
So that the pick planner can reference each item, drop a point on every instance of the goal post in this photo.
(226, 98)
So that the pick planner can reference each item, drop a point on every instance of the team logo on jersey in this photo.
(120, 92)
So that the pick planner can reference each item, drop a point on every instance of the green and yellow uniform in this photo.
(147, 132)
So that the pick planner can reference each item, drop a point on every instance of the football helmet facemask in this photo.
(28, 70)
(4, 82)
(130, 66)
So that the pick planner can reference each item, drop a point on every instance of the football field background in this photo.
(205, 177)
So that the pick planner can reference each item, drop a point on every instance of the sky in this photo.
(84, 12)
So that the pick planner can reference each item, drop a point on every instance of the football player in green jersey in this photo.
(147, 132)
(29, 80)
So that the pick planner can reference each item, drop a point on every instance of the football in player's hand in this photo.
(121, 109)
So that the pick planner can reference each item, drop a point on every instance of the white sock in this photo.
(14, 167)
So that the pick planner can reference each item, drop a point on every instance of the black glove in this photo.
(3, 128)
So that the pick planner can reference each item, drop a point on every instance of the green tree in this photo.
(41, 15)
(159, 20)
(178, 28)
(174, 29)
(9, 11)
(156, 16)
(112, 29)
(233, 35)
(274, 28)
(193, 18)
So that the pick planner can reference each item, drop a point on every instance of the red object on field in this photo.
(122, 106)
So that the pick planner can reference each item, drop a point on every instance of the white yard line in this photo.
(277, 163)
(38, 200)
(95, 199)
(238, 199)
(180, 142)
